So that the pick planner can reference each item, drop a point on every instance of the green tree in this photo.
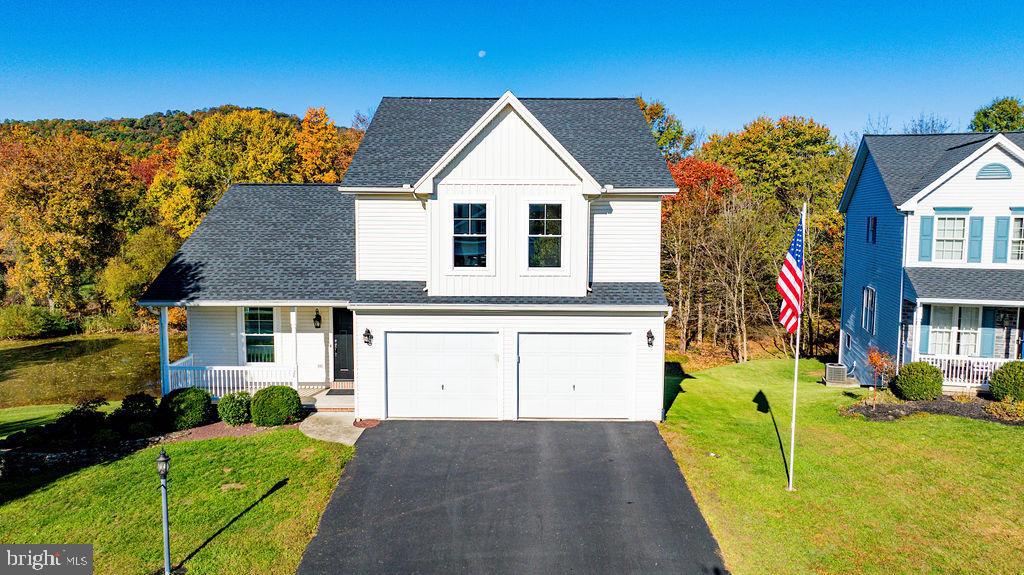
(142, 257)
(1002, 115)
(674, 140)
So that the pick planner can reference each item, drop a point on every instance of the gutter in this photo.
(510, 307)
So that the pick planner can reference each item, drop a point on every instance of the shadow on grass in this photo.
(674, 376)
(11, 427)
(273, 489)
(764, 406)
(17, 483)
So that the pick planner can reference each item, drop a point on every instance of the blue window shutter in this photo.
(924, 247)
(1002, 239)
(974, 243)
(988, 331)
(926, 321)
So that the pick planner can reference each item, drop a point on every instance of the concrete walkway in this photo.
(336, 427)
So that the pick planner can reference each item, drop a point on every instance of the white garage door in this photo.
(443, 375)
(575, 375)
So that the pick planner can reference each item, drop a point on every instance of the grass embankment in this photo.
(925, 494)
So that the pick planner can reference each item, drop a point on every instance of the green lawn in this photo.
(926, 494)
(69, 369)
(14, 419)
(238, 505)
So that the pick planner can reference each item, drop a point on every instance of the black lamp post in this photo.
(163, 465)
(317, 320)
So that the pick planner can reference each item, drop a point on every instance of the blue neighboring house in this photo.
(933, 265)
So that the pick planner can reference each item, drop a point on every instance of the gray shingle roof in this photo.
(967, 283)
(608, 137)
(296, 242)
(909, 162)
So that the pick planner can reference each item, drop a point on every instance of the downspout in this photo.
(900, 346)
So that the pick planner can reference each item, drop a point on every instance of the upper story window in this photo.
(867, 311)
(872, 229)
(258, 327)
(994, 171)
(469, 236)
(949, 238)
(1017, 240)
(545, 236)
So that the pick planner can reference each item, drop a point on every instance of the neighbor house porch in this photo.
(250, 347)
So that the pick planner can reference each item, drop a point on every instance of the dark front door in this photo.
(342, 344)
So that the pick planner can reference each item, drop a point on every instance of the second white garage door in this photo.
(443, 375)
(575, 375)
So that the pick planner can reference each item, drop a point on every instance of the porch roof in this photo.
(967, 284)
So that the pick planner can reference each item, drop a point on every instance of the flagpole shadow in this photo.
(764, 406)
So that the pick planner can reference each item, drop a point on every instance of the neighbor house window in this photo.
(469, 246)
(1017, 240)
(872, 229)
(949, 238)
(867, 315)
(545, 236)
(259, 334)
(954, 330)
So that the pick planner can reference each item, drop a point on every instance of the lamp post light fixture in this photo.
(317, 320)
(163, 465)
(368, 337)
(650, 338)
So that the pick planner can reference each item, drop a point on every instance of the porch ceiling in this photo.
(967, 284)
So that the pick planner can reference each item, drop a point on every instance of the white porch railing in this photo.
(959, 371)
(221, 380)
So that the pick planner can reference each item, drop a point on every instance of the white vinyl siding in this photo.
(626, 239)
(213, 335)
(950, 236)
(391, 239)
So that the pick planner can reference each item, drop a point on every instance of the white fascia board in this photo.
(997, 140)
(513, 307)
(506, 99)
(979, 302)
(245, 303)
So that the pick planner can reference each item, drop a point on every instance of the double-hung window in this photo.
(872, 229)
(949, 238)
(867, 311)
(258, 327)
(545, 236)
(954, 330)
(1017, 240)
(469, 236)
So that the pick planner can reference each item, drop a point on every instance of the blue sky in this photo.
(716, 64)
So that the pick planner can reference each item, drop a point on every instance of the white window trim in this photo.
(955, 331)
(864, 308)
(1010, 240)
(523, 236)
(449, 250)
(963, 239)
(242, 334)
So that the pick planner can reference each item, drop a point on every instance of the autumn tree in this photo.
(319, 147)
(141, 258)
(674, 140)
(1002, 115)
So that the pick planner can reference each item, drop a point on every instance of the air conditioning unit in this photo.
(835, 374)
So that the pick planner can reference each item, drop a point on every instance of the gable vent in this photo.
(994, 172)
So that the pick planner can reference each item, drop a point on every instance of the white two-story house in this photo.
(483, 258)
(934, 253)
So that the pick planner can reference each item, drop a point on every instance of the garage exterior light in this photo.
(317, 320)
(368, 337)
(650, 338)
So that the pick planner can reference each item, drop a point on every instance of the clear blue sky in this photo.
(716, 64)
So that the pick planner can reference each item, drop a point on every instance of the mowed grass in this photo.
(237, 506)
(14, 419)
(70, 369)
(925, 494)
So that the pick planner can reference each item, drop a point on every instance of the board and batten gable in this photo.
(878, 265)
(391, 238)
(507, 167)
(625, 239)
(986, 199)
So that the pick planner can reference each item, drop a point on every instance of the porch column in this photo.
(294, 318)
(165, 362)
(915, 345)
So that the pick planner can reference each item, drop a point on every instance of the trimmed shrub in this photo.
(1008, 381)
(136, 417)
(233, 408)
(275, 405)
(24, 321)
(918, 381)
(185, 408)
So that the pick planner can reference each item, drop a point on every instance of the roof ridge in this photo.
(986, 134)
(603, 98)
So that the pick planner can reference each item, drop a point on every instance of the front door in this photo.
(342, 344)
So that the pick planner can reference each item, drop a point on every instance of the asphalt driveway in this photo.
(512, 497)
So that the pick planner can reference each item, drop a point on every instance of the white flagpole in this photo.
(796, 356)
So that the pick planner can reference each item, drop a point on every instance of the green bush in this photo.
(233, 408)
(276, 405)
(918, 381)
(116, 321)
(23, 321)
(1008, 381)
(185, 408)
(136, 417)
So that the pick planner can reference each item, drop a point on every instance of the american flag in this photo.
(791, 281)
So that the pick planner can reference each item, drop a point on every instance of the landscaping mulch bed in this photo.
(943, 406)
(219, 429)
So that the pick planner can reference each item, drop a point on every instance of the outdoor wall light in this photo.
(367, 337)
(163, 465)
(650, 338)
(317, 320)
